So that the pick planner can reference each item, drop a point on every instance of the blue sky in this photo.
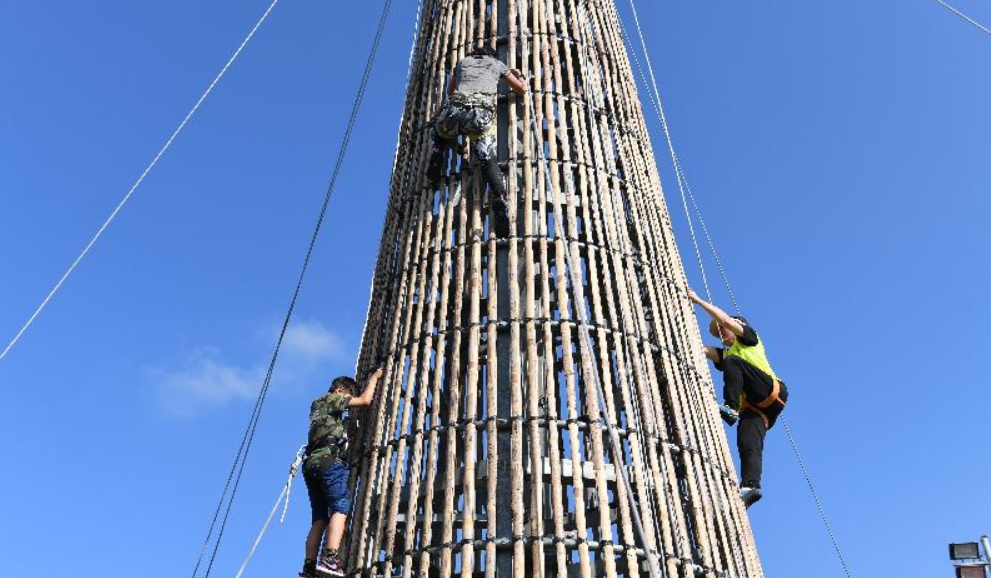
(839, 150)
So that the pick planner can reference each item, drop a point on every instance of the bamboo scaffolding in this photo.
(485, 453)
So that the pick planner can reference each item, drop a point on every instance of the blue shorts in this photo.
(328, 491)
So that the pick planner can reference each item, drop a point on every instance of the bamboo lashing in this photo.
(484, 452)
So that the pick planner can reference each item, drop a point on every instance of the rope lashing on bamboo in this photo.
(240, 459)
(127, 197)
(659, 109)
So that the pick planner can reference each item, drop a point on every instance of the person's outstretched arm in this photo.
(516, 82)
(366, 396)
(721, 317)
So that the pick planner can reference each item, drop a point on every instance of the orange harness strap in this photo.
(768, 402)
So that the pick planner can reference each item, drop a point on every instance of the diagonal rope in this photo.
(712, 249)
(964, 16)
(240, 459)
(682, 183)
(283, 500)
(815, 497)
(134, 187)
(660, 109)
(587, 38)
(654, 568)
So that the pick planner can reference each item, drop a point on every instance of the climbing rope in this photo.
(679, 175)
(815, 497)
(656, 99)
(655, 570)
(286, 489)
(587, 36)
(130, 192)
(240, 459)
(964, 16)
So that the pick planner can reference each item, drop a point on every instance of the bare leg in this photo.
(338, 523)
(313, 539)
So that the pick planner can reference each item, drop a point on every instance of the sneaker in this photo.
(729, 415)
(330, 567)
(305, 574)
(750, 496)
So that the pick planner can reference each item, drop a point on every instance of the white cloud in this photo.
(311, 340)
(205, 378)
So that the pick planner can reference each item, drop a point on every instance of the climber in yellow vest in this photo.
(752, 393)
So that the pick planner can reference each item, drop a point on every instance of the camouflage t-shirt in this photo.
(328, 430)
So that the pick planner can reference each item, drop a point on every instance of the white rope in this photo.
(964, 16)
(712, 249)
(674, 157)
(815, 497)
(679, 174)
(654, 568)
(587, 38)
(286, 489)
(137, 183)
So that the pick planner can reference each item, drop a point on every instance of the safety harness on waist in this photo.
(769, 401)
(481, 100)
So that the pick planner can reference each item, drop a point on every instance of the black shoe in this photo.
(435, 169)
(500, 219)
(729, 415)
(750, 496)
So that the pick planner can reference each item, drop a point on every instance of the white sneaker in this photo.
(750, 496)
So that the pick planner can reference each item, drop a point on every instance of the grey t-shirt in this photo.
(479, 74)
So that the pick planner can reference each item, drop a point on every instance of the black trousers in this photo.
(740, 379)
(489, 165)
(490, 170)
(750, 433)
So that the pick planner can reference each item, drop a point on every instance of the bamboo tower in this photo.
(484, 452)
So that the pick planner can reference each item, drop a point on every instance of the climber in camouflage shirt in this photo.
(326, 472)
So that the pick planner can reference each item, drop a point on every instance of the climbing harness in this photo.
(286, 489)
(682, 183)
(761, 408)
(130, 192)
(240, 458)
(471, 115)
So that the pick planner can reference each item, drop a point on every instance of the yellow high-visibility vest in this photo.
(752, 354)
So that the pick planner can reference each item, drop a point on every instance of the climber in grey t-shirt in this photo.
(470, 112)
(478, 74)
